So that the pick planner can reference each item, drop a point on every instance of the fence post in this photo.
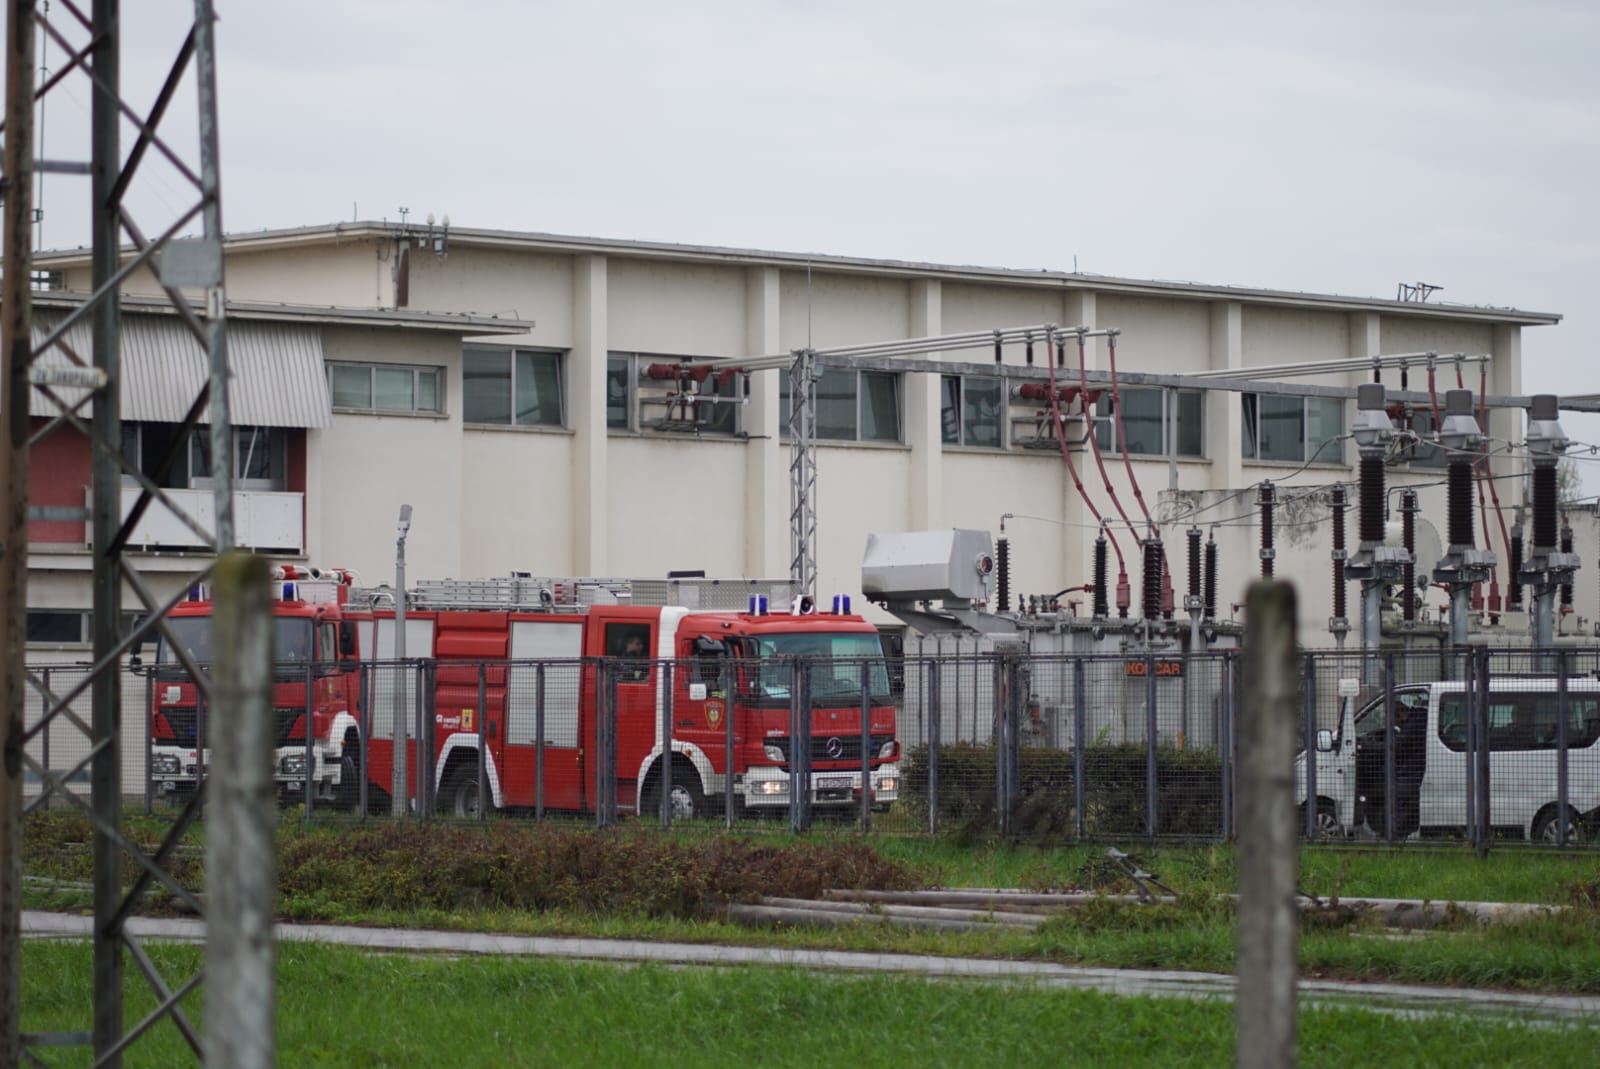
(933, 710)
(1308, 745)
(483, 738)
(1469, 703)
(1225, 735)
(866, 746)
(240, 1003)
(1268, 929)
(728, 676)
(202, 736)
(664, 809)
(149, 722)
(1563, 824)
(1484, 816)
(1151, 727)
(1388, 748)
(605, 755)
(427, 743)
(307, 710)
(538, 742)
(1079, 721)
(364, 715)
(997, 733)
(800, 745)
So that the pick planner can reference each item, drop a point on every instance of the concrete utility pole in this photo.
(241, 882)
(1266, 1004)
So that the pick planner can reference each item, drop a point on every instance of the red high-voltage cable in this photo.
(1122, 442)
(1483, 509)
(1083, 375)
(1072, 469)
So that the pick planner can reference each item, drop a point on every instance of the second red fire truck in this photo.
(518, 670)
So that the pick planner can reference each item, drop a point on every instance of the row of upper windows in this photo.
(526, 388)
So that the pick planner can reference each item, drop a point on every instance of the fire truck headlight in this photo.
(888, 784)
(774, 753)
(887, 750)
(770, 786)
(292, 765)
(164, 764)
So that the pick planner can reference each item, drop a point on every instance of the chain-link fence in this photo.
(1475, 746)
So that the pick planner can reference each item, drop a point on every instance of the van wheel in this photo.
(461, 795)
(1547, 829)
(685, 798)
(1328, 826)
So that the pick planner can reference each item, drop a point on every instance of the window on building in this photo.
(260, 458)
(852, 406)
(68, 627)
(511, 387)
(260, 455)
(972, 410)
(619, 391)
(1296, 429)
(386, 387)
(636, 402)
(1146, 415)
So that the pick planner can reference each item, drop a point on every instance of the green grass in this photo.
(344, 1007)
(634, 883)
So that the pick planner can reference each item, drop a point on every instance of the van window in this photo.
(1453, 721)
(1370, 720)
(1519, 722)
(1583, 721)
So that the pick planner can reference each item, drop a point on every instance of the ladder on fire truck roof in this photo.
(525, 593)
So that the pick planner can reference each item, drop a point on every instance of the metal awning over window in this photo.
(278, 379)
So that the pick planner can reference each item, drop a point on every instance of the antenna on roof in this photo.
(1415, 291)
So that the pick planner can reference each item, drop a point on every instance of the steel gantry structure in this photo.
(47, 388)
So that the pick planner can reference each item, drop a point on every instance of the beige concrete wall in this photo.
(499, 282)
(678, 309)
(676, 504)
(975, 307)
(517, 492)
(1292, 335)
(1158, 335)
(835, 309)
(1410, 334)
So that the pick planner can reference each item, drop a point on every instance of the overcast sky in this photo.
(1339, 148)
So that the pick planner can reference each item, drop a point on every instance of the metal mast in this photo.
(189, 271)
(803, 471)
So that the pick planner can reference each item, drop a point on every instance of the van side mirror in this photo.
(1324, 741)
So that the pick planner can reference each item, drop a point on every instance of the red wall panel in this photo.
(58, 474)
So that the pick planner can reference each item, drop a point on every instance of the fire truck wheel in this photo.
(461, 797)
(348, 792)
(685, 797)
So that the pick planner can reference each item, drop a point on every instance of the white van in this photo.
(1523, 721)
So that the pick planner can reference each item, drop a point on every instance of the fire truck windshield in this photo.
(837, 661)
(291, 639)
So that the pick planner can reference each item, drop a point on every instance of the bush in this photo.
(418, 866)
(1188, 790)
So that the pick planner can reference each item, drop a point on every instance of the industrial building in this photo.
(576, 406)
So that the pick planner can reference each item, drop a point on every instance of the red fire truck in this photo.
(316, 683)
(521, 666)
